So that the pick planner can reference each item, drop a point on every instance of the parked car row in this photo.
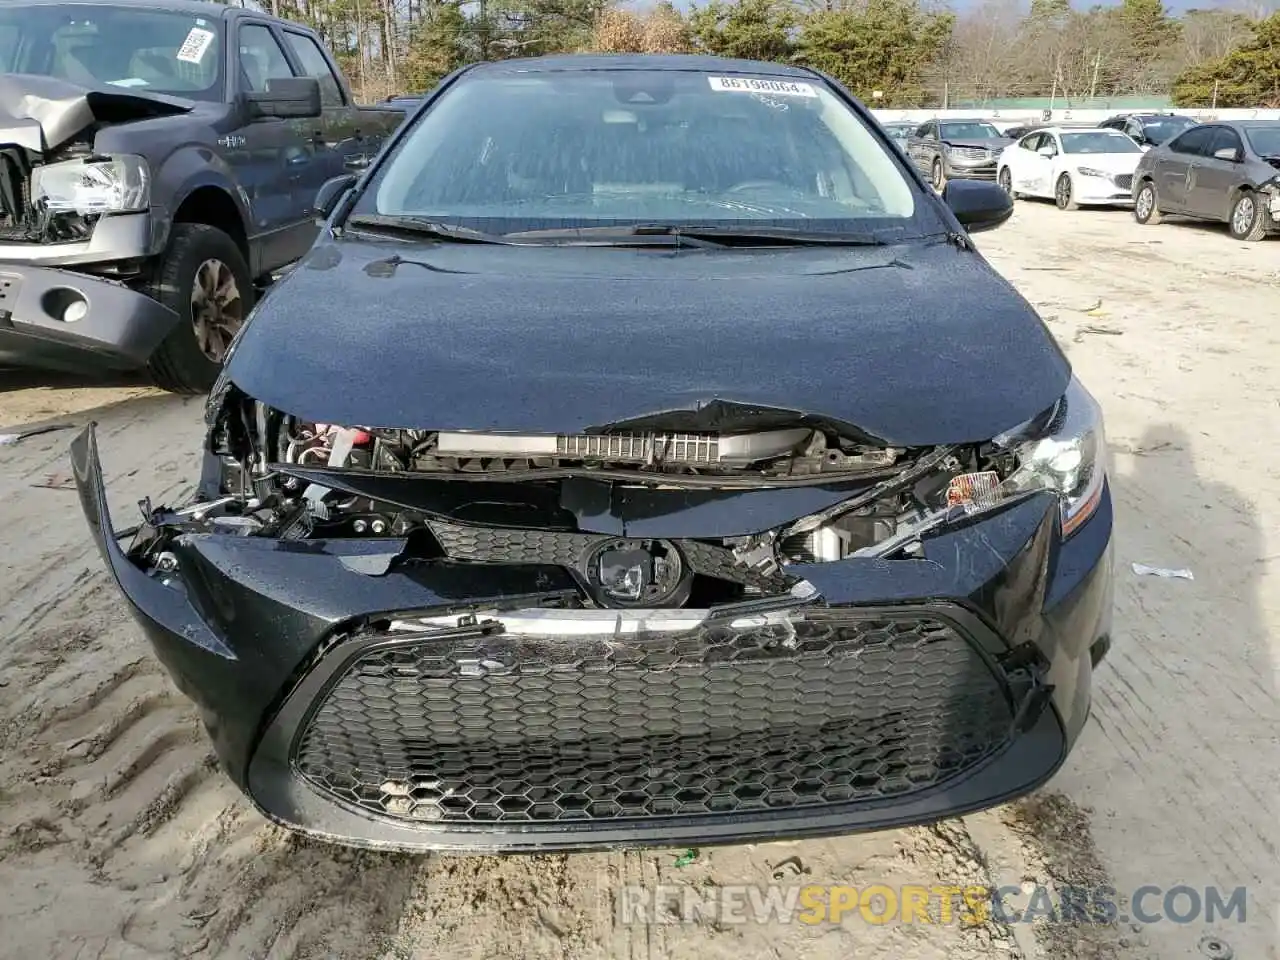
(1157, 163)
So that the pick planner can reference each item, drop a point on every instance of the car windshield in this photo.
(103, 46)
(1158, 131)
(968, 131)
(515, 151)
(1098, 142)
(1264, 140)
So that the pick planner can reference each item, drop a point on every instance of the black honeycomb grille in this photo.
(1124, 181)
(493, 728)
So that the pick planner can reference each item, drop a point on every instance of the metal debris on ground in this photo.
(1215, 948)
(1142, 570)
(57, 481)
(1094, 328)
(7, 439)
(687, 857)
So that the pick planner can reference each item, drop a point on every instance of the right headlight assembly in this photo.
(1067, 454)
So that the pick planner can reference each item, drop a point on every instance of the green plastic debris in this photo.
(687, 857)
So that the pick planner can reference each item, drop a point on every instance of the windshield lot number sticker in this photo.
(775, 88)
(194, 47)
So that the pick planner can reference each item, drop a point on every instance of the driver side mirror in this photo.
(1227, 153)
(977, 204)
(1047, 151)
(285, 98)
(330, 194)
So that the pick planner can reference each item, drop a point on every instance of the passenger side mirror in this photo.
(1227, 153)
(285, 98)
(977, 204)
(330, 193)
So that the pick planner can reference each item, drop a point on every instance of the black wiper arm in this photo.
(705, 236)
(420, 227)
(642, 235)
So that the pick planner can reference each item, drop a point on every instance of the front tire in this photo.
(1064, 195)
(202, 276)
(1145, 208)
(936, 176)
(1005, 179)
(1248, 218)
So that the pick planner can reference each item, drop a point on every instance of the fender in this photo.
(186, 170)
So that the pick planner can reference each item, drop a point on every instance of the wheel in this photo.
(201, 276)
(1005, 179)
(1063, 195)
(1248, 218)
(1145, 209)
(936, 176)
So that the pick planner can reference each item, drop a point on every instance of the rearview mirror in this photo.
(977, 204)
(330, 193)
(285, 98)
(1227, 153)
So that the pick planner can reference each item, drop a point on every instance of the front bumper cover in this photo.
(262, 635)
(119, 329)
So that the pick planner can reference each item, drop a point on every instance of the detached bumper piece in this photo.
(62, 320)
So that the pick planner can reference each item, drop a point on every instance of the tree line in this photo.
(892, 53)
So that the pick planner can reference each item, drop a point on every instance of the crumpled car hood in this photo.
(43, 113)
(913, 344)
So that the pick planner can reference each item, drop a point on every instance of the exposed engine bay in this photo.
(491, 498)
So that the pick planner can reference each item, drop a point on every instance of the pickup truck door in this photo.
(340, 136)
(274, 159)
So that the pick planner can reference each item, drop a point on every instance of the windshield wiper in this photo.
(420, 227)
(745, 236)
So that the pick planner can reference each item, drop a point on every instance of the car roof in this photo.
(1063, 129)
(640, 61)
(200, 8)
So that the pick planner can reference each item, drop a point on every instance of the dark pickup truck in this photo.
(158, 162)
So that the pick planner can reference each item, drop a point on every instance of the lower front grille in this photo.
(478, 726)
(1124, 181)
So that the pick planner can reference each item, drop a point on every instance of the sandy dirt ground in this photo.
(119, 839)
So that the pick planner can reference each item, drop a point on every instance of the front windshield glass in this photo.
(102, 46)
(1098, 142)
(509, 152)
(1264, 140)
(968, 130)
(1158, 131)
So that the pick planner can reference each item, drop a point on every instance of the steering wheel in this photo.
(747, 185)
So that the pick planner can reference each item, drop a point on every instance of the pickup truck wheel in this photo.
(937, 177)
(202, 277)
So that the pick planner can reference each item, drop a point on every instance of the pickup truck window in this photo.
(261, 58)
(315, 64)
(159, 51)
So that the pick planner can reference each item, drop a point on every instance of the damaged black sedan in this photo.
(643, 455)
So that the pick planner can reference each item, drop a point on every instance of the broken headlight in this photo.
(1067, 454)
(117, 184)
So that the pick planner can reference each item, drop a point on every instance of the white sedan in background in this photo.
(1072, 166)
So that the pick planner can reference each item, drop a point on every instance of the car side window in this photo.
(261, 58)
(1031, 142)
(928, 131)
(1224, 138)
(315, 64)
(1193, 142)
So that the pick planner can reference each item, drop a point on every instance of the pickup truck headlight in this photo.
(116, 184)
(1091, 172)
(1066, 454)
